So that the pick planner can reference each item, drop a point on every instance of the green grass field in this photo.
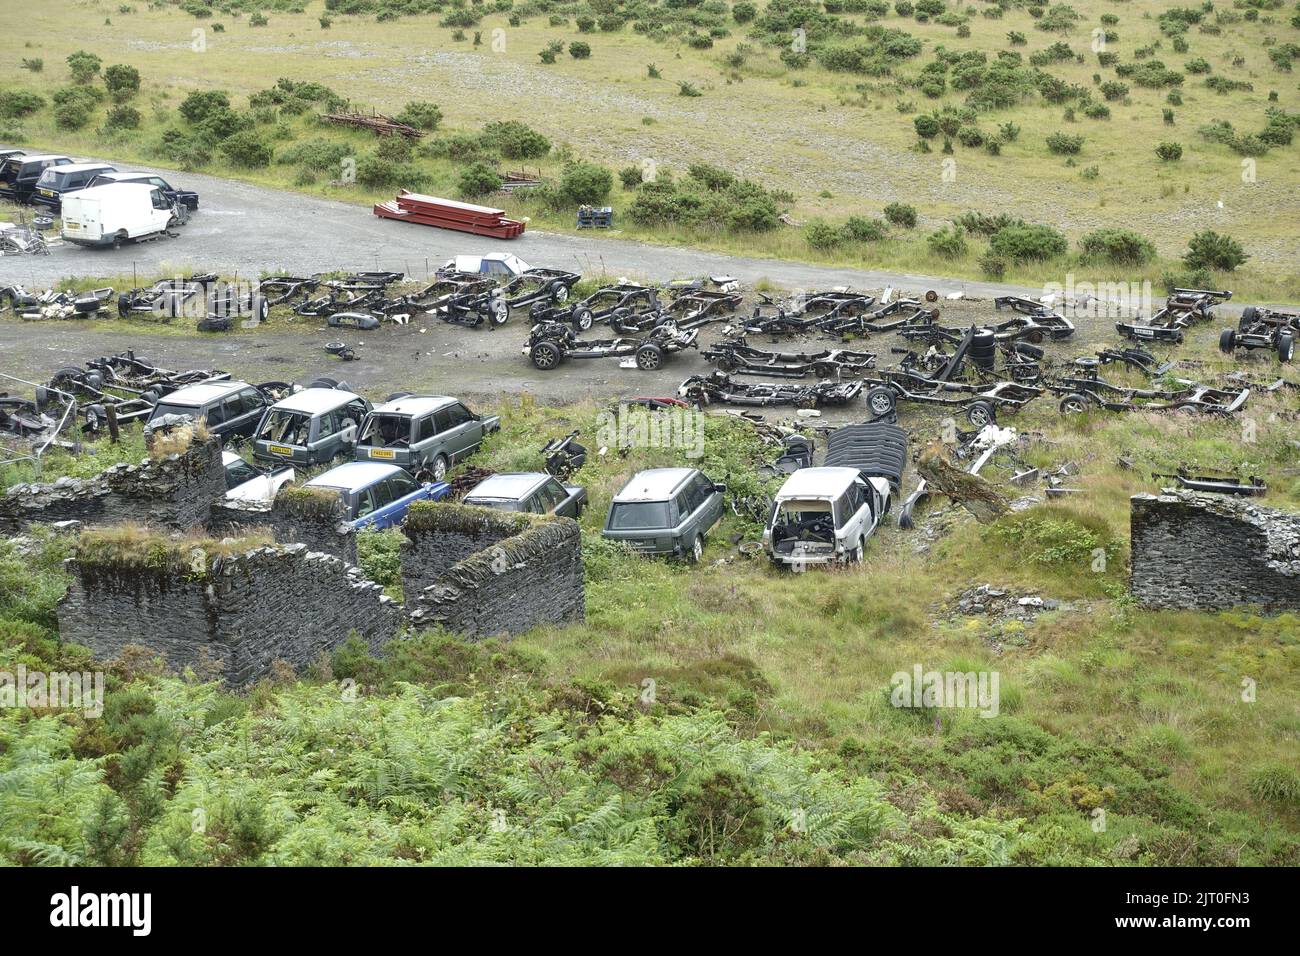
(841, 143)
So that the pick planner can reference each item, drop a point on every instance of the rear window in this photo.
(631, 515)
(387, 431)
(289, 428)
(162, 409)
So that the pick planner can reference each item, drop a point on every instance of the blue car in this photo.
(377, 496)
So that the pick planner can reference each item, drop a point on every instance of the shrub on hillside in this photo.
(1065, 144)
(421, 115)
(1117, 247)
(16, 103)
(123, 82)
(515, 140)
(479, 179)
(246, 149)
(586, 183)
(1169, 152)
(900, 214)
(948, 242)
(1211, 250)
(84, 66)
(1025, 243)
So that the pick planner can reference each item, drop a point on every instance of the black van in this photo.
(18, 175)
(57, 180)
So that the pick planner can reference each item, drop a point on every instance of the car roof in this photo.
(355, 475)
(818, 483)
(201, 394)
(80, 167)
(414, 405)
(34, 157)
(112, 189)
(653, 484)
(512, 487)
(315, 400)
(119, 176)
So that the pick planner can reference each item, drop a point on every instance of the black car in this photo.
(187, 198)
(56, 181)
(18, 175)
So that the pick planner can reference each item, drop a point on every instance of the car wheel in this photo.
(1074, 404)
(980, 414)
(123, 305)
(582, 318)
(697, 550)
(1248, 317)
(649, 357)
(1285, 347)
(498, 312)
(882, 401)
(545, 355)
(260, 308)
(559, 293)
(859, 552)
(439, 468)
(1227, 340)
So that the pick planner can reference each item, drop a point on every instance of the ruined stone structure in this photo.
(1207, 551)
(280, 602)
(289, 523)
(174, 492)
(481, 573)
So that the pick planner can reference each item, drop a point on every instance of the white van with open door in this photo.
(113, 214)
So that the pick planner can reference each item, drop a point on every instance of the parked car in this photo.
(247, 482)
(187, 198)
(229, 409)
(115, 214)
(666, 511)
(377, 496)
(498, 265)
(824, 515)
(425, 434)
(534, 492)
(18, 175)
(310, 427)
(55, 181)
(8, 152)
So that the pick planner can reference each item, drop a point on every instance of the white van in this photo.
(113, 214)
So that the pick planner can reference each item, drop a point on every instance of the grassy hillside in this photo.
(770, 704)
(824, 134)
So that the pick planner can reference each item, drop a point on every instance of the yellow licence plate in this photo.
(71, 225)
(280, 450)
(382, 453)
(47, 192)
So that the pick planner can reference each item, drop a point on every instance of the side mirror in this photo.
(720, 487)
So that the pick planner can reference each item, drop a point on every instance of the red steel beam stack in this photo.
(449, 214)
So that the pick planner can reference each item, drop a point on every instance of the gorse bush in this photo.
(1024, 243)
(1211, 250)
(1117, 247)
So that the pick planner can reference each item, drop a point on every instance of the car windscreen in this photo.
(631, 515)
(162, 409)
(50, 177)
(387, 431)
(238, 472)
(501, 504)
(289, 428)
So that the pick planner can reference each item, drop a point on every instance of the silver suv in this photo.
(425, 434)
(666, 511)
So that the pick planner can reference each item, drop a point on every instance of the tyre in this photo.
(1074, 404)
(1249, 316)
(259, 307)
(980, 414)
(324, 382)
(439, 468)
(559, 293)
(881, 401)
(857, 555)
(1036, 337)
(498, 311)
(546, 355)
(123, 305)
(696, 554)
(119, 239)
(649, 357)
(582, 318)
(1285, 346)
(1227, 340)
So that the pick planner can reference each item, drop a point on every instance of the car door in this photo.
(214, 416)
(466, 431)
(368, 505)
(251, 406)
(326, 444)
(398, 491)
(558, 500)
(424, 436)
